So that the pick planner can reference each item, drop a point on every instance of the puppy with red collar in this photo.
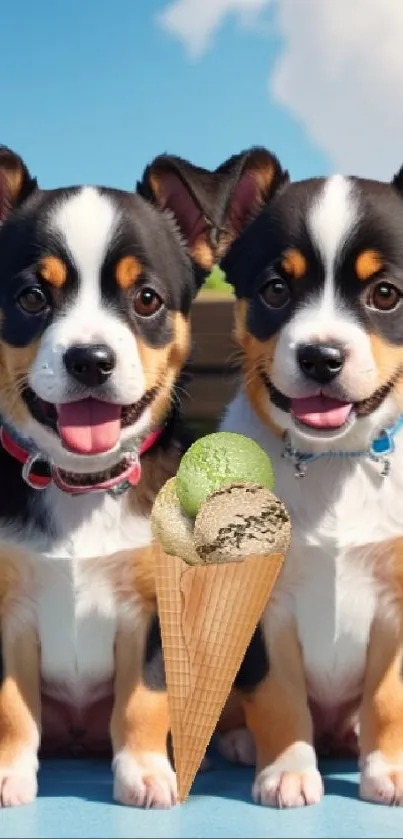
(95, 291)
(318, 272)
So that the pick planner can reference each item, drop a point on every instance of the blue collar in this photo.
(382, 446)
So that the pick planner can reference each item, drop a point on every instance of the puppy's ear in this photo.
(397, 181)
(16, 183)
(195, 197)
(257, 176)
(254, 176)
(211, 209)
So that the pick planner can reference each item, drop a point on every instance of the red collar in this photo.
(38, 473)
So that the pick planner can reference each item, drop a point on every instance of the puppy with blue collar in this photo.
(317, 267)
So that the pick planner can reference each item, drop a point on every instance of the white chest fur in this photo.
(73, 602)
(76, 622)
(329, 587)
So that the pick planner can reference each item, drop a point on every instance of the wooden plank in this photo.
(212, 322)
(212, 367)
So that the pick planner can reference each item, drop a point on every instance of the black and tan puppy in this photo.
(95, 291)
(318, 273)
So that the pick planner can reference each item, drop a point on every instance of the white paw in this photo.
(381, 781)
(17, 787)
(293, 780)
(290, 789)
(238, 746)
(145, 779)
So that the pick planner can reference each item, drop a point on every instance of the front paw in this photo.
(381, 780)
(144, 779)
(293, 780)
(18, 784)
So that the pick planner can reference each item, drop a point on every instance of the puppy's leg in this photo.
(143, 776)
(278, 716)
(381, 718)
(19, 715)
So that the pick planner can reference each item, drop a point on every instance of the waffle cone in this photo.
(208, 614)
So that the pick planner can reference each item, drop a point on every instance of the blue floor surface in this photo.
(75, 800)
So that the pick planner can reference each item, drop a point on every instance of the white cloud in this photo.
(339, 71)
(196, 22)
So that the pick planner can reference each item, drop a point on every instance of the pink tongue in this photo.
(89, 426)
(321, 411)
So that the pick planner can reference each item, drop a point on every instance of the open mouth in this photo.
(87, 426)
(324, 413)
(103, 480)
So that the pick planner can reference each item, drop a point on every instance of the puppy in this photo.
(95, 291)
(317, 267)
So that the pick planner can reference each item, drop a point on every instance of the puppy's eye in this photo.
(146, 302)
(276, 293)
(33, 301)
(384, 297)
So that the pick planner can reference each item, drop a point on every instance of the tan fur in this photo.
(53, 270)
(367, 264)
(20, 690)
(277, 711)
(19, 695)
(256, 355)
(162, 365)
(140, 719)
(389, 362)
(127, 272)
(294, 263)
(14, 176)
(263, 171)
(381, 724)
(130, 574)
(382, 706)
(203, 254)
(15, 363)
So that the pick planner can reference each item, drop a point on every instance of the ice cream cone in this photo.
(208, 614)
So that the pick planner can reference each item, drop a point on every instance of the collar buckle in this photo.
(298, 460)
(32, 480)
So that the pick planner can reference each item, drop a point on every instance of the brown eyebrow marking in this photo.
(127, 271)
(53, 270)
(368, 263)
(294, 263)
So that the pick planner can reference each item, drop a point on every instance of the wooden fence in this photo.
(213, 373)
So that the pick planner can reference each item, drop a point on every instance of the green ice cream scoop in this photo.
(219, 460)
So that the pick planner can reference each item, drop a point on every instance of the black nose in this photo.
(321, 362)
(90, 364)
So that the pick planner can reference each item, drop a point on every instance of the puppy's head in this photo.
(318, 274)
(95, 290)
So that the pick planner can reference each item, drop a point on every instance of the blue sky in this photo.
(92, 90)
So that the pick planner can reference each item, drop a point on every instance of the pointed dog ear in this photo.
(254, 176)
(259, 178)
(16, 183)
(193, 196)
